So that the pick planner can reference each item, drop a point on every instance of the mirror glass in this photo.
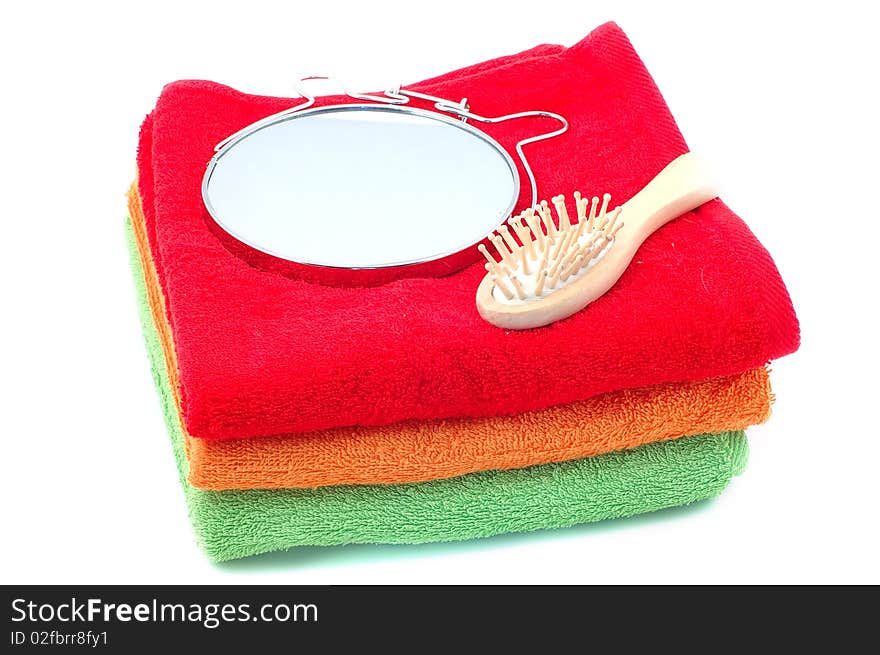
(361, 186)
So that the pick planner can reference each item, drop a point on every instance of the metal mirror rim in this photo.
(455, 122)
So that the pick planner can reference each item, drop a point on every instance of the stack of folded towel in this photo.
(315, 413)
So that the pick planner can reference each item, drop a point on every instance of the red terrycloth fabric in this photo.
(265, 351)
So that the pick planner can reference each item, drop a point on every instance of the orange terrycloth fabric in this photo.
(418, 451)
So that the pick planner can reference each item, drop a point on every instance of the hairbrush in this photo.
(549, 269)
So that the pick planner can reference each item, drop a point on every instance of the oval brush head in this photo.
(549, 269)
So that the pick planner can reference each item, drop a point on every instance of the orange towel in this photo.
(417, 451)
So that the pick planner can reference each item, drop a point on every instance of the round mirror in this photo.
(361, 186)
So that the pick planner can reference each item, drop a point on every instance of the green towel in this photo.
(233, 524)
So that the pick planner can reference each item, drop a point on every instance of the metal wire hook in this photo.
(390, 97)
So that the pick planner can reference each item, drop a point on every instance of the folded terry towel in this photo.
(233, 524)
(701, 299)
(416, 451)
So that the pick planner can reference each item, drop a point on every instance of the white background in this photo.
(781, 98)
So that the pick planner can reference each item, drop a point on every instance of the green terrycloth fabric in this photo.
(233, 524)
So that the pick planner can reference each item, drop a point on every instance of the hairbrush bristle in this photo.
(539, 254)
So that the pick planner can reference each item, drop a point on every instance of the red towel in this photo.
(263, 350)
